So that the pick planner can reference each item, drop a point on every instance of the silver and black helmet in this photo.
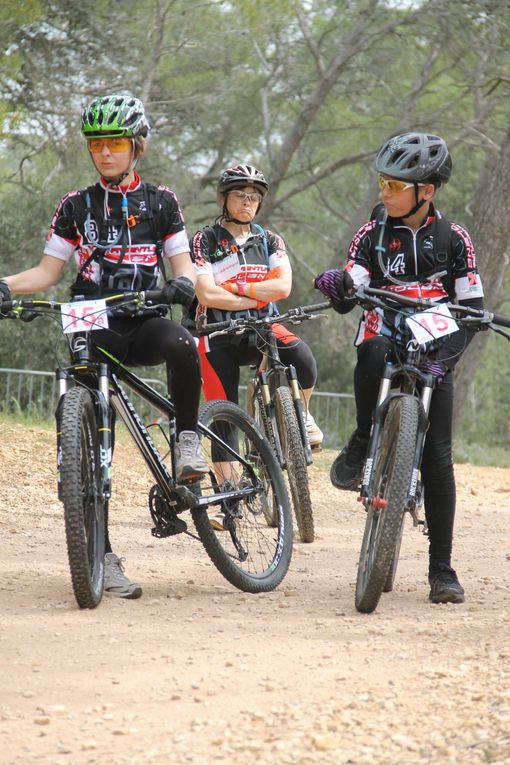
(415, 157)
(239, 176)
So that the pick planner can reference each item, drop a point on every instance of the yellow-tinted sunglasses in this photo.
(395, 186)
(114, 144)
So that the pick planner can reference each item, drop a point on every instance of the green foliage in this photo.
(305, 90)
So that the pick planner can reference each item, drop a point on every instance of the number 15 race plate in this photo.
(84, 316)
(432, 323)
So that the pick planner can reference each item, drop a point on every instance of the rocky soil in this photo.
(197, 672)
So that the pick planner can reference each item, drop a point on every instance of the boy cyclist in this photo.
(409, 246)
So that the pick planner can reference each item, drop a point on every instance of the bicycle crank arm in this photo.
(193, 501)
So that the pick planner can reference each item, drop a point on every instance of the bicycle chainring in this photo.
(166, 521)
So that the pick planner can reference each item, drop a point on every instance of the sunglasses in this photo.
(243, 196)
(395, 186)
(115, 145)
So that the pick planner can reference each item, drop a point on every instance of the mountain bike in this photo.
(391, 485)
(244, 474)
(275, 403)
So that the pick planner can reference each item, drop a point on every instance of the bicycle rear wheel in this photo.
(393, 471)
(84, 510)
(295, 462)
(251, 555)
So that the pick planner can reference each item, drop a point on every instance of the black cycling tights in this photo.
(151, 341)
(437, 464)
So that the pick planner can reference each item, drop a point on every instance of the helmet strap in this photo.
(417, 206)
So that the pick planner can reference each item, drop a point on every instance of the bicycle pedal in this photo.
(169, 527)
(217, 523)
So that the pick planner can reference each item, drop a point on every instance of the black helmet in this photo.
(239, 176)
(415, 157)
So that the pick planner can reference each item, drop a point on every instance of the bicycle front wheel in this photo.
(393, 471)
(295, 462)
(84, 510)
(251, 555)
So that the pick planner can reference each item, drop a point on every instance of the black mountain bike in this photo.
(241, 483)
(391, 483)
(275, 403)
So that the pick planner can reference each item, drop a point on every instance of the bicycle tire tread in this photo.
(292, 446)
(398, 439)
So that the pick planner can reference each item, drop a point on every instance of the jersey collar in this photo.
(121, 189)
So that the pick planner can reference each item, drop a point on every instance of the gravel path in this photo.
(197, 672)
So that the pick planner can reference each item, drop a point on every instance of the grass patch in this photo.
(26, 421)
(482, 454)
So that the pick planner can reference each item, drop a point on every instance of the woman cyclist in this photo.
(121, 232)
(241, 267)
(409, 246)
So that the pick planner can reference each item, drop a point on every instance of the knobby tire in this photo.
(266, 551)
(392, 479)
(84, 511)
(295, 462)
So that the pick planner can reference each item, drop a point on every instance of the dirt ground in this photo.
(198, 672)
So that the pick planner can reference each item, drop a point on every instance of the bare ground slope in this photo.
(197, 672)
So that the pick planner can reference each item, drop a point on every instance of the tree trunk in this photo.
(490, 231)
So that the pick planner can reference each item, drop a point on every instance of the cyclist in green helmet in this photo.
(121, 233)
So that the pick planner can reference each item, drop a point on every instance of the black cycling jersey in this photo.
(127, 258)
(425, 263)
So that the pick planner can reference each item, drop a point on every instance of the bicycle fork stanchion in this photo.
(105, 431)
(62, 382)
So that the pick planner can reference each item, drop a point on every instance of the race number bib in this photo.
(226, 269)
(433, 323)
(84, 316)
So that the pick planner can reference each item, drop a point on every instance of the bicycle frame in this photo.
(110, 392)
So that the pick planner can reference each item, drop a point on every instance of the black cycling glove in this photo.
(179, 290)
(5, 294)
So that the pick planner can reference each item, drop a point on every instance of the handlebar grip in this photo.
(155, 296)
(218, 326)
(317, 307)
(502, 321)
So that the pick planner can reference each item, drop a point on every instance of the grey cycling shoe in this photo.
(116, 582)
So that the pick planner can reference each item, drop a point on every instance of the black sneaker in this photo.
(444, 585)
(347, 469)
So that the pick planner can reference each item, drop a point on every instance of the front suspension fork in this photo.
(104, 428)
(384, 397)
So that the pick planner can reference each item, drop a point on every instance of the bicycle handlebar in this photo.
(381, 298)
(147, 297)
(242, 324)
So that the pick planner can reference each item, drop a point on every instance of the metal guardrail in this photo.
(34, 393)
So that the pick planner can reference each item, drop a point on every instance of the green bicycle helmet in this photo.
(114, 116)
